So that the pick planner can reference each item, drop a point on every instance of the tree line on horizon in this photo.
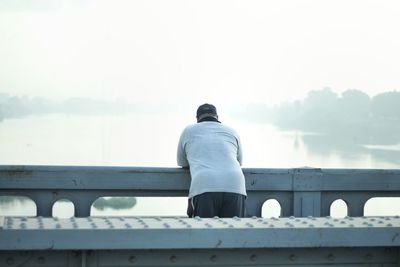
(351, 113)
(320, 111)
(12, 106)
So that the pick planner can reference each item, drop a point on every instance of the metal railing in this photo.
(300, 192)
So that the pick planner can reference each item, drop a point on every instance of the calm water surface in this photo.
(150, 140)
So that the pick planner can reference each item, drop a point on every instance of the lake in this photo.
(151, 140)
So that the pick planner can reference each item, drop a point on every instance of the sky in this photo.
(183, 52)
(223, 52)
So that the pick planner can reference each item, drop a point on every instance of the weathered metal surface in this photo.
(21, 233)
(152, 178)
(307, 204)
(93, 177)
(146, 178)
(387, 257)
(300, 192)
(155, 241)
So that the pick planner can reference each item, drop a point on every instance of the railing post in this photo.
(307, 184)
(82, 209)
(254, 204)
(355, 207)
(307, 204)
(83, 203)
(44, 204)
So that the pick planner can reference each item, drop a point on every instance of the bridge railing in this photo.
(301, 192)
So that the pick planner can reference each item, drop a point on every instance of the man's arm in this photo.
(181, 154)
(239, 151)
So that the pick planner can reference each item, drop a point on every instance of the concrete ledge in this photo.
(20, 233)
(316, 257)
(300, 192)
(31, 177)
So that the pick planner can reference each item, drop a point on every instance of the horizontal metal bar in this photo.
(374, 256)
(185, 233)
(177, 179)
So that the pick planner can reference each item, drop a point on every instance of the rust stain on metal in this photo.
(18, 172)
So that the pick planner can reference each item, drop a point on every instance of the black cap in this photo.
(206, 110)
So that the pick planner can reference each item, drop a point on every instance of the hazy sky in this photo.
(196, 51)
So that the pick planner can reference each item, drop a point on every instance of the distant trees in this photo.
(17, 106)
(115, 203)
(318, 109)
(354, 105)
(353, 112)
(386, 105)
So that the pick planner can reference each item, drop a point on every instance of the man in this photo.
(213, 153)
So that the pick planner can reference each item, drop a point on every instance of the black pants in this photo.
(221, 204)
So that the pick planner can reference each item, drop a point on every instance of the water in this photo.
(151, 139)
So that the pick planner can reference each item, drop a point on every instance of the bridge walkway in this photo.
(303, 235)
(163, 241)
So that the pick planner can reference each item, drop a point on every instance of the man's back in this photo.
(213, 152)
